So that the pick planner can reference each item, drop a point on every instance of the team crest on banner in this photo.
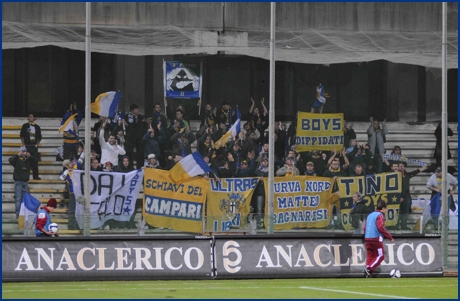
(182, 79)
(319, 132)
(384, 186)
(113, 196)
(231, 205)
(301, 201)
(179, 206)
(228, 203)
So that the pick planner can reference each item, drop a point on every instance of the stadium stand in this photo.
(416, 140)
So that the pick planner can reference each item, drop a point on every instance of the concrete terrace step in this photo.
(32, 191)
(8, 196)
(54, 171)
(57, 163)
(37, 182)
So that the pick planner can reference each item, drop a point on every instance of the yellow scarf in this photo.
(334, 170)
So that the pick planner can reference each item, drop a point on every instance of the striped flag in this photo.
(233, 132)
(67, 124)
(320, 94)
(188, 167)
(29, 208)
(106, 103)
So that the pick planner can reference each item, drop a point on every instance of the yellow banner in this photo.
(319, 132)
(301, 201)
(228, 203)
(171, 205)
(384, 186)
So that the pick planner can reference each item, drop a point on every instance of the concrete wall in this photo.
(196, 15)
(361, 16)
(374, 16)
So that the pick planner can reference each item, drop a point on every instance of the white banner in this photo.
(113, 196)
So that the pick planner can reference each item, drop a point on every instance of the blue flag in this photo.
(29, 208)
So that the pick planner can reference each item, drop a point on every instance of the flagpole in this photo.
(164, 85)
(271, 127)
(87, 218)
(201, 84)
(444, 194)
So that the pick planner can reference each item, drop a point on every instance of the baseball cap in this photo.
(289, 158)
(265, 159)
(244, 162)
(438, 169)
(52, 203)
(66, 162)
(108, 163)
(151, 156)
(310, 163)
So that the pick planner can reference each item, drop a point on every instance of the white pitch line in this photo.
(354, 293)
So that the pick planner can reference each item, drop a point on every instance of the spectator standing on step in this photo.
(110, 149)
(134, 135)
(438, 149)
(70, 128)
(435, 185)
(376, 139)
(405, 198)
(67, 177)
(31, 135)
(22, 163)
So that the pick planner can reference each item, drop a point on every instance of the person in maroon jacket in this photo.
(43, 219)
(374, 232)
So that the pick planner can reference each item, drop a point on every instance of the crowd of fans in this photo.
(131, 141)
(134, 137)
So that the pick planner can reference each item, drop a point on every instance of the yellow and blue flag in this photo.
(106, 104)
(67, 124)
(188, 167)
(320, 94)
(233, 132)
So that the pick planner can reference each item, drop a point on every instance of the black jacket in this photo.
(22, 167)
(359, 213)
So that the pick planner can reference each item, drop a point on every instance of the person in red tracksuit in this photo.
(374, 233)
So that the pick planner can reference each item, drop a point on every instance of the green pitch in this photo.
(330, 288)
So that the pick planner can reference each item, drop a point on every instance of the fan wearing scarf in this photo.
(335, 170)
(310, 169)
(31, 136)
(289, 169)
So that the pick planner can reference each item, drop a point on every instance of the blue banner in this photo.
(182, 80)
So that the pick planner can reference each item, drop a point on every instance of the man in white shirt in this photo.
(435, 181)
(110, 149)
(434, 184)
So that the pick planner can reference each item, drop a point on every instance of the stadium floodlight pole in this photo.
(87, 218)
(444, 195)
(271, 123)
